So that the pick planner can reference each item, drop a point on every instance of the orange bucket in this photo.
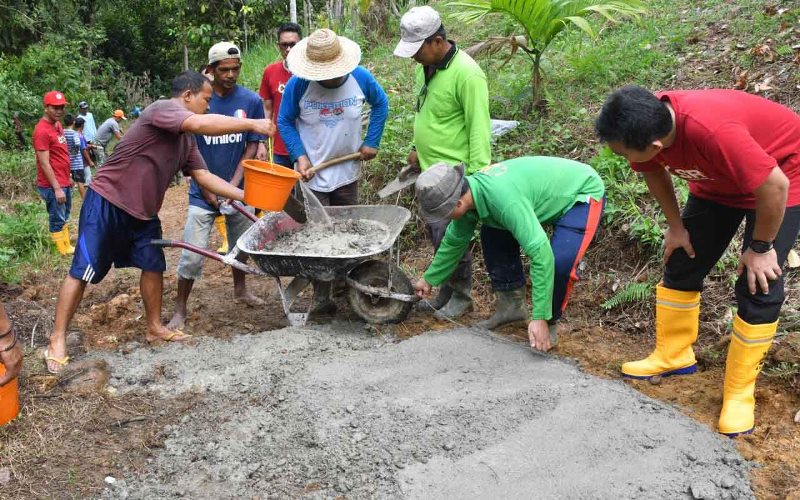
(9, 399)
(266, 185)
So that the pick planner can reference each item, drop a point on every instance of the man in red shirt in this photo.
(52, 169)
(119, 216)
(740, 155)
(271, 90)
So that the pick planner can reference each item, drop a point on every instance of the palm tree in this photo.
(543, 20)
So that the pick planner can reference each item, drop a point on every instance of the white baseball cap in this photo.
(223, 50)
(415, 26)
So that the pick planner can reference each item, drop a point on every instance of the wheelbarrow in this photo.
(378, 291)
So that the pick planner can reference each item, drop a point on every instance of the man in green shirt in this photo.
(451, 125)
(518, 195)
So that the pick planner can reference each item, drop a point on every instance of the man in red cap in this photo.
(52, 169)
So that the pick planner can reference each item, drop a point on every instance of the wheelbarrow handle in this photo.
(240, 208)
(209, 254)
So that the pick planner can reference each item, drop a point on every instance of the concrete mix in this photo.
(332, 411)
(341, 238)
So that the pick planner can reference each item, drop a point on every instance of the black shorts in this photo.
(78, 176)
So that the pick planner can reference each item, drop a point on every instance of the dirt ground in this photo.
(70, 437)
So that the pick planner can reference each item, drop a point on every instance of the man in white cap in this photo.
(224, 155)
(452, 125)
(320, 119)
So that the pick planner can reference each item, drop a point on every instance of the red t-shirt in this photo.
(727, 143)
(272, 84)
(50, 137)
(151, 152)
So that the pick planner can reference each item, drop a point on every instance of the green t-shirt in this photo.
(452, 124)
(520, 195)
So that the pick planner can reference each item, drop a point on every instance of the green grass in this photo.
(257, 58)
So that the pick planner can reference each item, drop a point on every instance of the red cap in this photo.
(55, 98)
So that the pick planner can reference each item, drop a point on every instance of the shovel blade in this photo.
(295, 209)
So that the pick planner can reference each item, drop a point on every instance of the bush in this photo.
(24, 237)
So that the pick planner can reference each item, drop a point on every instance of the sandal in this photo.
(170, 337)
(62, 362)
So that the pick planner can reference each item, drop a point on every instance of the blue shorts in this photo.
(108, 235)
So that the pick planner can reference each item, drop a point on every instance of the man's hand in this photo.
(261, 152)
(422, 288)
(761, 269)
(539, 335)
(210, 198)
(367, 153)
(412, 158)
(12, 359)
(304, 167)
(675, 238)
(60, 196)
(263, 127)
(408, 171)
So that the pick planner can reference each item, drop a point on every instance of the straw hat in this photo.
(323, 56)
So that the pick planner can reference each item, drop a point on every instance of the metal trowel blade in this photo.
(295, 209)
(396, 185)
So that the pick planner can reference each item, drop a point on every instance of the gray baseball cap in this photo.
(415, 26)
(438, 190)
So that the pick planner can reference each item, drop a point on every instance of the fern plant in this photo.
(632, 292)
(543, 20)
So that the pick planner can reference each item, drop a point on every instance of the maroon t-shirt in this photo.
(50, 137)
(727, 142)
(151, 152)
(273, 81)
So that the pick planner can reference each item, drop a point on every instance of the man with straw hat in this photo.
(452, 125)
(320, 119)
(224, 155)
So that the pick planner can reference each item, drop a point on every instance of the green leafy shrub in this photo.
(24, 237)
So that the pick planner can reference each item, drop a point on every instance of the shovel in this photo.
(407, 176)
(294, 208)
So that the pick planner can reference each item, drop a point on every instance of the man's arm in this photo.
(288, 114)
(216, 185)
(771, 199)
(86, 158)
(211, 124)
(267, 103)
(475, 102)
(379, 111)
(659, 183)
(50, 175)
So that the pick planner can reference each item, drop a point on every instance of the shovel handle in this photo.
(334, 161)
(240, 208)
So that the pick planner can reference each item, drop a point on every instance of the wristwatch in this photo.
(760, 246)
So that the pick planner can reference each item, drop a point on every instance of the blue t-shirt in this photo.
(222, 153)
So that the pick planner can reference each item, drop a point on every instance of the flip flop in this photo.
(250, 301)
(170, 337)
(59, 361)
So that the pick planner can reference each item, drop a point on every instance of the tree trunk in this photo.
(538, 102)
(293, 11)
(185, 57)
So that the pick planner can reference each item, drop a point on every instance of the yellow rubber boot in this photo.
(220, 223)
(677, 322)
(70, 248)
(58, 239)
(746, 354)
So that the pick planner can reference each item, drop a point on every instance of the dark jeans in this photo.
(711, 228)
(341, 196)
(282, 160)
(58, 213)
(572, 234)
(436, 232)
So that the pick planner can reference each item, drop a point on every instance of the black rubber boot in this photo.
(460, 301)
(509, 307)
(433, 305)
(322, 303)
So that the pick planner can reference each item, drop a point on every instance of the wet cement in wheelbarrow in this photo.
(342, 238)
(334, 411)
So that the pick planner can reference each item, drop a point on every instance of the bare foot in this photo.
(56, 351)
(164, 334)
(177, 322)
(249, 299)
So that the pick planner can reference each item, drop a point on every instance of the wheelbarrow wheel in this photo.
(374, 309)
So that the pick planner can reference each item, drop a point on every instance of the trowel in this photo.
(295, 208)
(406, 177)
